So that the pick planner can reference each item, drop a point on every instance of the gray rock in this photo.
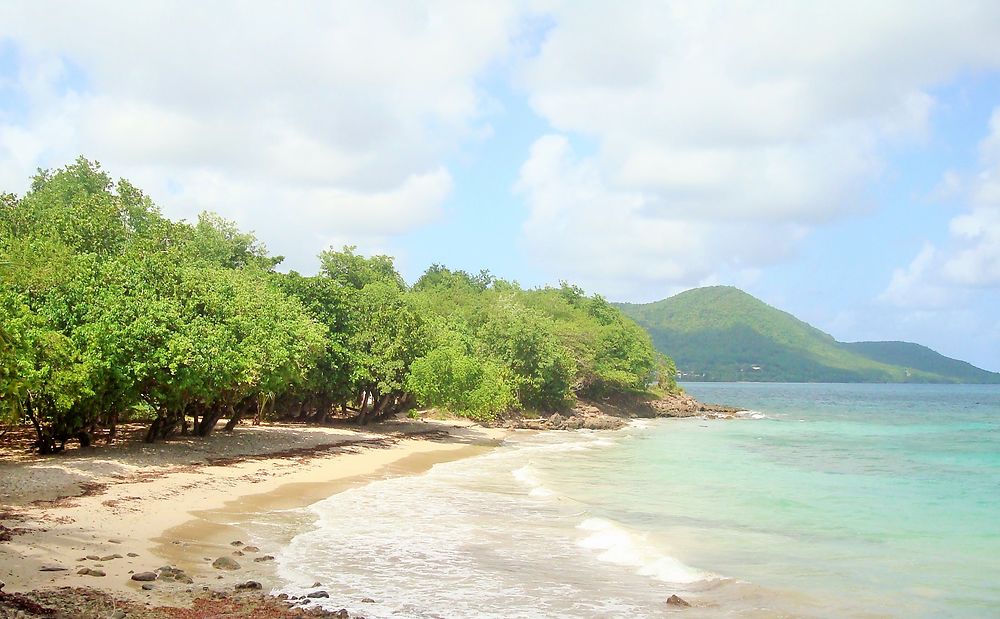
(264, 558)
(133, 554)
(83, 571)
(52, 568)
(93, 572)
(225, 563)
(148, 586)
(318, 594)
(367, 601)
(674, 600)
(110, 557)
(249, 586)
(94, 557)
(144, 576)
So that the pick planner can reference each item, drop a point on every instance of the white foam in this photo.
(751, 415)
(618, 546)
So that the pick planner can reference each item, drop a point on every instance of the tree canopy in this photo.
(112, 312)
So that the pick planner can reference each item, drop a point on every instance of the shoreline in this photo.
(148, 507)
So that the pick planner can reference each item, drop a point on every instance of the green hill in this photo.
(721, 333)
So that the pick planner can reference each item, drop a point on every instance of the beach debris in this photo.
(249, 585)
(225, 563)
(144, 576)
(674, 600)
(264, 558)
(318, 594)
(52, 568)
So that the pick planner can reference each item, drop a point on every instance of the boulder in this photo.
(318, 594)
(674, 600)
(144, 576)
(225, 563)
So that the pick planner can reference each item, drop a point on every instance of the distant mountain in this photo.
(721, 333)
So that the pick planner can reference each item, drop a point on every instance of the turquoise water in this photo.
(826, 501)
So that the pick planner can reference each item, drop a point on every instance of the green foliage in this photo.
(111, 312)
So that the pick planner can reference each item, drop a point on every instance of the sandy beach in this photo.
(95, 517)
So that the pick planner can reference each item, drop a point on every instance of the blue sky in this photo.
(841, 164)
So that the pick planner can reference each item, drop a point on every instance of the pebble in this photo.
(236, 543)
(133, 554)
(94, 557)
(148, 586)
(91, 572)
(144, 576)
(251, 549)
(249, 585)
(367, 601)
(264, 558)
(52, 568)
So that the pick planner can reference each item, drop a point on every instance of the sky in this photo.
(840, 161)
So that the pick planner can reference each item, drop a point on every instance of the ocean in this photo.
(825, 500)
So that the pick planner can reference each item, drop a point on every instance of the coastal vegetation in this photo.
(720, 333)
(111, 312)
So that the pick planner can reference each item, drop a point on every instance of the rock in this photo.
(367, 601)
(114, 541)
(93, 572)
(2, 584)
(237, 543)
(84, 571)
(148, 586)
(555, 422)
(249, 585)
(342, 614)
(225, 563)
(144, 576)
(110, 557)
(94, 557)
(318, 594)
(316, 584)
(673, 600)
(264, 558)
(238, 553)
(52, 568)
(118, 614)
(251, 549)
(133, 554)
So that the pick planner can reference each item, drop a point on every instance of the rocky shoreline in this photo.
(616, 413)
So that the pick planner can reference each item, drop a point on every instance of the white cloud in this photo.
(709, 119)
(332, 116)
(970, 259)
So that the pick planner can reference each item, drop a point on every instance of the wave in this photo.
(618, 546)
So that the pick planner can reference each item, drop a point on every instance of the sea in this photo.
(822, 500)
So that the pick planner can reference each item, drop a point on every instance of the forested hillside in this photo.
(721, 333)
(110, 312)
